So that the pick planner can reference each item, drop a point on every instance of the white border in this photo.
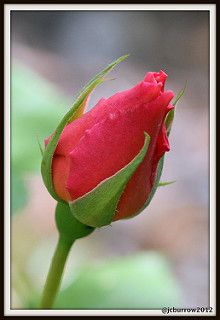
(128, 7)
(212, 158)
(106, 7)
(7, 214)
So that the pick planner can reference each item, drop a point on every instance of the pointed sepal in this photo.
(170, 115)
(165, 183)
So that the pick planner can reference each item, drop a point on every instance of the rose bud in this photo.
(105, 163)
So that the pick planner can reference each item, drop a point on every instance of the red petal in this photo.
(139, 187)
(159, 77)
(111, 144)
(108, 137)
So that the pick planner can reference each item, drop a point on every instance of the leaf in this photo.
(78, 104)
(165, 183)
(141, 281)
(97, 207)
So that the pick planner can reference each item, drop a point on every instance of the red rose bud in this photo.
(106, 161)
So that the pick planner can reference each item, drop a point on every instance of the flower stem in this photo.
(55, 272)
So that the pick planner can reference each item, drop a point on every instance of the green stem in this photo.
(55, 272)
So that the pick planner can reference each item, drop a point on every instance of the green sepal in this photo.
(170, 116)
(154, 188)
(98, 207)
(68, 226)
(69, 116)
(165, 183)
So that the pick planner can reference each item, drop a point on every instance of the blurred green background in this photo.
(159, 258)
